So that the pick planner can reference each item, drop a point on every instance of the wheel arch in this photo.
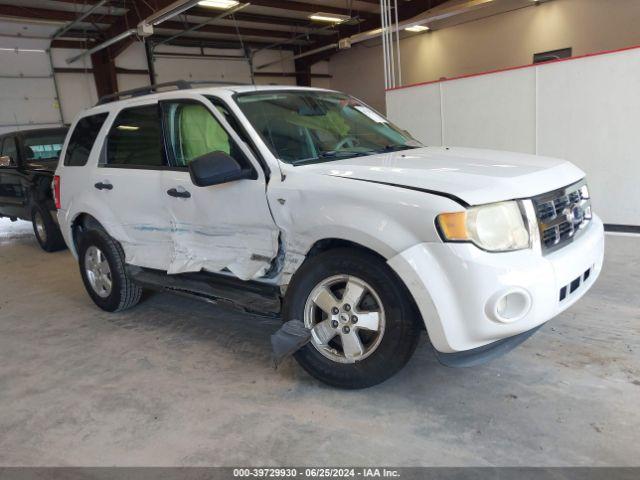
(326, 244)
(81, 222)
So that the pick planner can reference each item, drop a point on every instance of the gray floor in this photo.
(177, 382)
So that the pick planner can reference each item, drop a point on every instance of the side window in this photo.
(135, 138)
(10, 149)
(82, 140)
(193, 131)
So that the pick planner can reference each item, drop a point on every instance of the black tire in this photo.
(124, 293)
(401, 332)
(50, 240)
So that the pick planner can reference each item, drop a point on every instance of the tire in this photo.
(46, 230)
(386, 350)
(123, 293)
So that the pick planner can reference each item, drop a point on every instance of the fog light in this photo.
(509, 306)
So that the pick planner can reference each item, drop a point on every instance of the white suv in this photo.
(307, 204)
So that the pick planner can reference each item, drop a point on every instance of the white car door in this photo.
(224, 227)
(128, 186)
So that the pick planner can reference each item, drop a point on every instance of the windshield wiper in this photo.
(332, 155)
(394, 148)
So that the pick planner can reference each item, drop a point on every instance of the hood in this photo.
(473, 175)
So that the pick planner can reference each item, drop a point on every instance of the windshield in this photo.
(311, 126)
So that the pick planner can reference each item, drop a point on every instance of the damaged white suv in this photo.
(307, 204)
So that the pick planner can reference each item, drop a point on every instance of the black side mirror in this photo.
(215, 168)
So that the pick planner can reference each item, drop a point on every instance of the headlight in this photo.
(497, 227)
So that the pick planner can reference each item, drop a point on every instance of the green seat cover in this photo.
(200, 133)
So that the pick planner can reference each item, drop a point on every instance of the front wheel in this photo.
(364, 324)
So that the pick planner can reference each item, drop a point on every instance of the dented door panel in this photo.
(227, 226)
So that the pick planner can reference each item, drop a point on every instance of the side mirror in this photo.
(6, 161)
(216, 168)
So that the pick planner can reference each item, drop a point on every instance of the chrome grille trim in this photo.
(562, 214)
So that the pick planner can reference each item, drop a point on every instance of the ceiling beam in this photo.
(256, 18)
(186, 41)
(311, 8)
(48, 14)
(228, 30)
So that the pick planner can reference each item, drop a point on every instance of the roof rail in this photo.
(178, 84)
(137, 92)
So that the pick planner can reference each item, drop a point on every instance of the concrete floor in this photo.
(177, 382)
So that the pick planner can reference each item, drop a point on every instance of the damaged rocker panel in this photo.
(247, 296)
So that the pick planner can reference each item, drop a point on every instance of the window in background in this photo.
(44, 147)
(552, 55)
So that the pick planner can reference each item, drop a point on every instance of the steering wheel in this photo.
(347, 142)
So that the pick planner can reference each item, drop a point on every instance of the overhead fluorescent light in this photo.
(22, 50)
(417, 28)
(221, 4)
(128, 128)
(329, 17)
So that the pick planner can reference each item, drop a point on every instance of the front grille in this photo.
(562, 214)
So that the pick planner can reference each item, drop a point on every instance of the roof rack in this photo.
(178, 85)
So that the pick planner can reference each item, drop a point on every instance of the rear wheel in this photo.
(102, 267)
(46, 230)
(364, 324)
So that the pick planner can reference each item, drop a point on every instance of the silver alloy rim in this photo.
(40, 228)
(98, 272)
(346, 317)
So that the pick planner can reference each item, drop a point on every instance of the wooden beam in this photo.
(291, 74)
(303, 73)
(220, 29)
(48, 14)
(207, 42)
(311, 8)
(255, 18)
(80, 43)
(119, 70)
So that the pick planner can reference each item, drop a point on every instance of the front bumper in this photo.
(457, 286)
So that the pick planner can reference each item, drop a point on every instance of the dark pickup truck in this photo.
(28, 160)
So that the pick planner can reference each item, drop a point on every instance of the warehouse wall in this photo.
(495, 42)
(27, 91)
(27, 102)
(584, 110)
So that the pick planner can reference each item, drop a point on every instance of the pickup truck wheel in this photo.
(102, 267)
(47, 232)
(364, 323)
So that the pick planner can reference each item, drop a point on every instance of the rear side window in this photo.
(136, 138)
(82, 140)
(43, 147)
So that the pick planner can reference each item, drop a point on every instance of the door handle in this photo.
(103, 186)
(179, 194)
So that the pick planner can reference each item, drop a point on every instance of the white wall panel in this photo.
(417, 110)
(491, 111)
(585, 110)
(589, 112)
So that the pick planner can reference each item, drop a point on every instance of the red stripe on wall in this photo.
(519, 67)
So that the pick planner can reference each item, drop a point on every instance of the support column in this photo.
(104, 73)
(303, 73)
